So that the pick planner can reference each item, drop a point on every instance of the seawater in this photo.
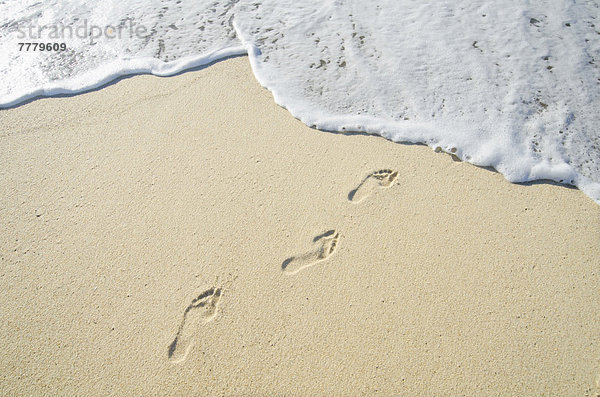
(513, 85)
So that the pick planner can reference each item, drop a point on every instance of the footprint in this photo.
(202, 310)
(377, 179)
(326, 244)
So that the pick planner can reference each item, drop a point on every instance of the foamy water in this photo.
(513, 85)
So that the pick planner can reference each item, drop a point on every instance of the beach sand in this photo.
(186, 235)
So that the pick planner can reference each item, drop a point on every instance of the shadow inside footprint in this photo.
(377, 179)
(202, 310)
(326, 245)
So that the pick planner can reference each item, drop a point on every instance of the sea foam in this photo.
(513, 86)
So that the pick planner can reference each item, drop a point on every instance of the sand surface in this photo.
(186, 235)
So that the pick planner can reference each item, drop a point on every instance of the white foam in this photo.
(505, 85)
(170, 41)
(513, 86)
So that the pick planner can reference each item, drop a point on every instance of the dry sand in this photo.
(186, 235)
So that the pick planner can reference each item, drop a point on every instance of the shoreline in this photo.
(188, 235)
(213, 58)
